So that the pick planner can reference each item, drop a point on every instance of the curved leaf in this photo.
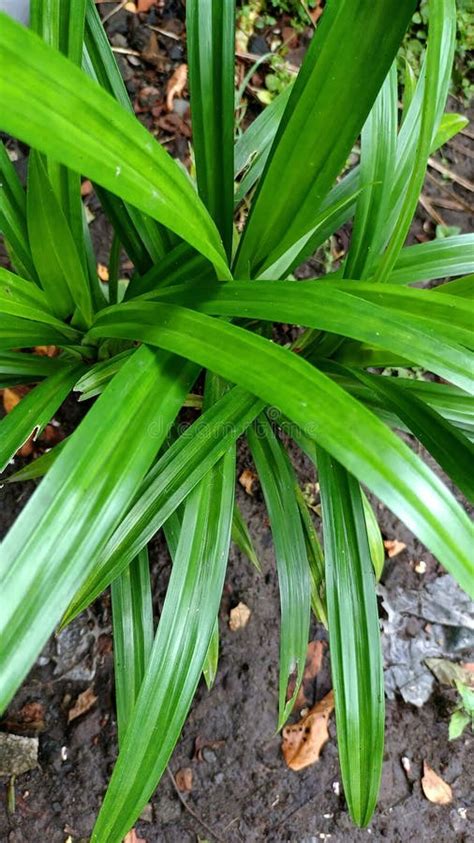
(52, 105)
(325, 412)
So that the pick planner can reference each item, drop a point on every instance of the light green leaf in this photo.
(278, 485)
(354, 638)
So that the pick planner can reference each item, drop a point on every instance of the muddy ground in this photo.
(241, 789)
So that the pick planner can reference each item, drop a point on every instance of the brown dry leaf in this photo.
(103, 272)
(184, 780)
(434, 788)
(46, 350)
(316, 13)
(247, 479)
(27, 448)
(86, 188)
(84, 702)
(12, 397)
(132, 837)
(144, 5)
(393, 547)
(239, 617)
(313, 663)
(303, 741)
(30, 718)
(176, 85)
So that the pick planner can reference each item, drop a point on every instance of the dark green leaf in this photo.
(55, 542)
(325, 412)
(210, 26)
(52, 105)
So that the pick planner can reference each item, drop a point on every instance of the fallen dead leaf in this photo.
(176, 85)
(316, 13)
(46, 350)
(144, 5)
(184, 780)
(247, 480)
(132, 837)
(434, 787)
(103, 272)
(303, 741)
(86, 188)
(17, 754)
(84, 702)
(30, 718)
(393, 547)
(239, 617)
(12, 397)
(313, 663)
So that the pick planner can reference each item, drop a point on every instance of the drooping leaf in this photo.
(167, 485)
(54, 543)
(132, 620)
(354, 638)
(278, 485)
(179, 651)
(325, 412)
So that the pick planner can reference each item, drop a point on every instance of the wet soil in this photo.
(242, 790)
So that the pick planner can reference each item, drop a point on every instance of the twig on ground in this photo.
(445, 188)
(450, 174)
(191, 811)
(425, 203)
(114, 11)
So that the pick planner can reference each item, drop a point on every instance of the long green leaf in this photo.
(441, 43)
(278, 485)
(55, 542)
(242, 538)
(326, 413)
(144, 240)
(253, 146)
(436, 259)
(13, 217)
(354, 638)
(60, 23)
(57, 260)
(210, 26)
(132, 621)
(167, 485)
(17, 364)
(448, 446)
(34, 411)
(347, 61)
(52, 105)
(336, 309)
(16, 332)
(180, 648)
(378, 152)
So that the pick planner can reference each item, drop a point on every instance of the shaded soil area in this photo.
(241, 788)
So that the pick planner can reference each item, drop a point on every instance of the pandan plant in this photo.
(199, 309)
